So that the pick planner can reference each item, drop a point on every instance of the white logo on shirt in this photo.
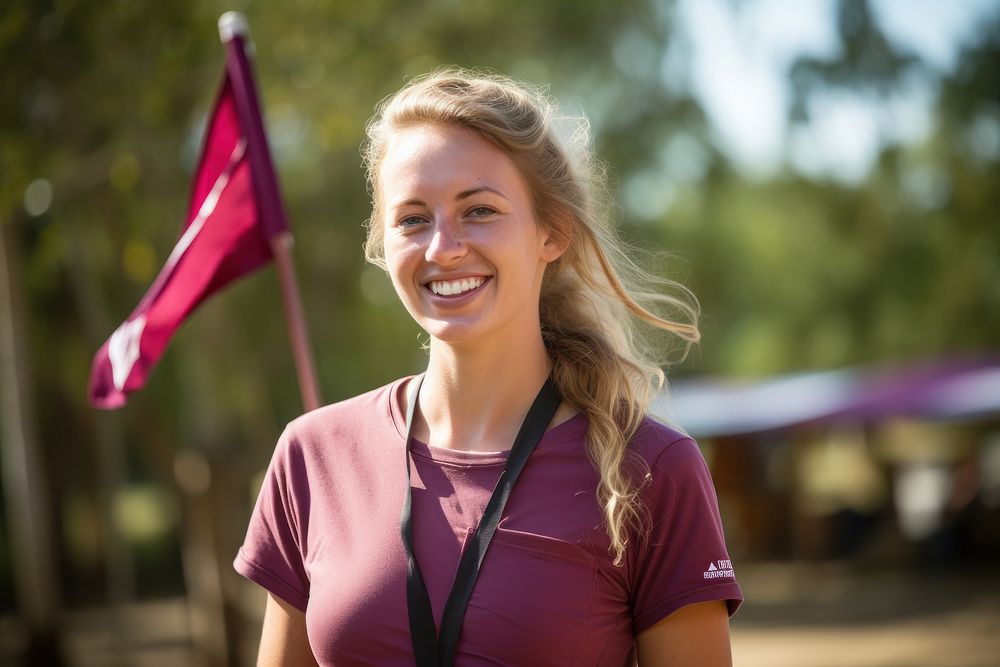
(723, 570)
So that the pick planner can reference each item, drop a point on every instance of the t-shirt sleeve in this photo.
(272, 554)
(683, 559)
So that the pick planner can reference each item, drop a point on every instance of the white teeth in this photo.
(450, 287)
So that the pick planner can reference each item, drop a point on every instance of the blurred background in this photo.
(824, 175)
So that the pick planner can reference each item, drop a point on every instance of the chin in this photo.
(451, 335)
(451, 332)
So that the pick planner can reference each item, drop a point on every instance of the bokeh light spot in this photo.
(139, 261)
(124, 172)
(376, 286)
(38, 197)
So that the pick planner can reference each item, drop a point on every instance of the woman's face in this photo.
(464, 250)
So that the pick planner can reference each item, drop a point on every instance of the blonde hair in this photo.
(592, 296)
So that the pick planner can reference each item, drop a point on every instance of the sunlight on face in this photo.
(463, 248)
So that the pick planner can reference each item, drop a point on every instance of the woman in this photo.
(609, 547)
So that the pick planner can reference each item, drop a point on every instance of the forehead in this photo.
(441, 158)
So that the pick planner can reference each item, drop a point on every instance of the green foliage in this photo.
(796, 273)
(867, 62)
(104, 102)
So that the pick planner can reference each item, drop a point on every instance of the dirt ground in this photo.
(823, 615)
(796, 615)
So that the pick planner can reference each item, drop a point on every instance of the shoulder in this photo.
(373, 405)
(664, 447)
(674, 464)
(367, 415)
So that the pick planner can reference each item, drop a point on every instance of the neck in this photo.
(476, 399)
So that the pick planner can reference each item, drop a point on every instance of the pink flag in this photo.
(223, 238)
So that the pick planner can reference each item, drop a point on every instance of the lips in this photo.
(455, 287)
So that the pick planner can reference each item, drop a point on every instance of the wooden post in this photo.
(234, 33)
(298, 335)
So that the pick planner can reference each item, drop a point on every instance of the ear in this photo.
(557, 237)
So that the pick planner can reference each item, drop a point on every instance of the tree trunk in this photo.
(28, 516)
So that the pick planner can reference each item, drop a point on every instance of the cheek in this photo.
(392, 249)
(400, 265)
(402, 288)
(392, 265)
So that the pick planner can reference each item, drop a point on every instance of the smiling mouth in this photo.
(455, 287)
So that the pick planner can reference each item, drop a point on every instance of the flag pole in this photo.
(234, 32)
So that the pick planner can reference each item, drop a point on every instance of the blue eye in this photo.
(482, 211)
(410, 221)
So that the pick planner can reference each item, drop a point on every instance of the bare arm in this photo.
(694, 635)
(283, 639)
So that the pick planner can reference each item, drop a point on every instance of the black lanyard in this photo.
(441, 653)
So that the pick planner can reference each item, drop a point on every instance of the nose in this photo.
(447, 243)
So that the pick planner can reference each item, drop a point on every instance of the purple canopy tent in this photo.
(961, 388)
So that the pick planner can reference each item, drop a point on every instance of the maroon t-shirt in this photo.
(324, 536)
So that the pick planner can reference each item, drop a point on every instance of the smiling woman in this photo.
(461, 242)
(546, 519)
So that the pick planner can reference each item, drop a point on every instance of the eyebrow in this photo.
(464, 194)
